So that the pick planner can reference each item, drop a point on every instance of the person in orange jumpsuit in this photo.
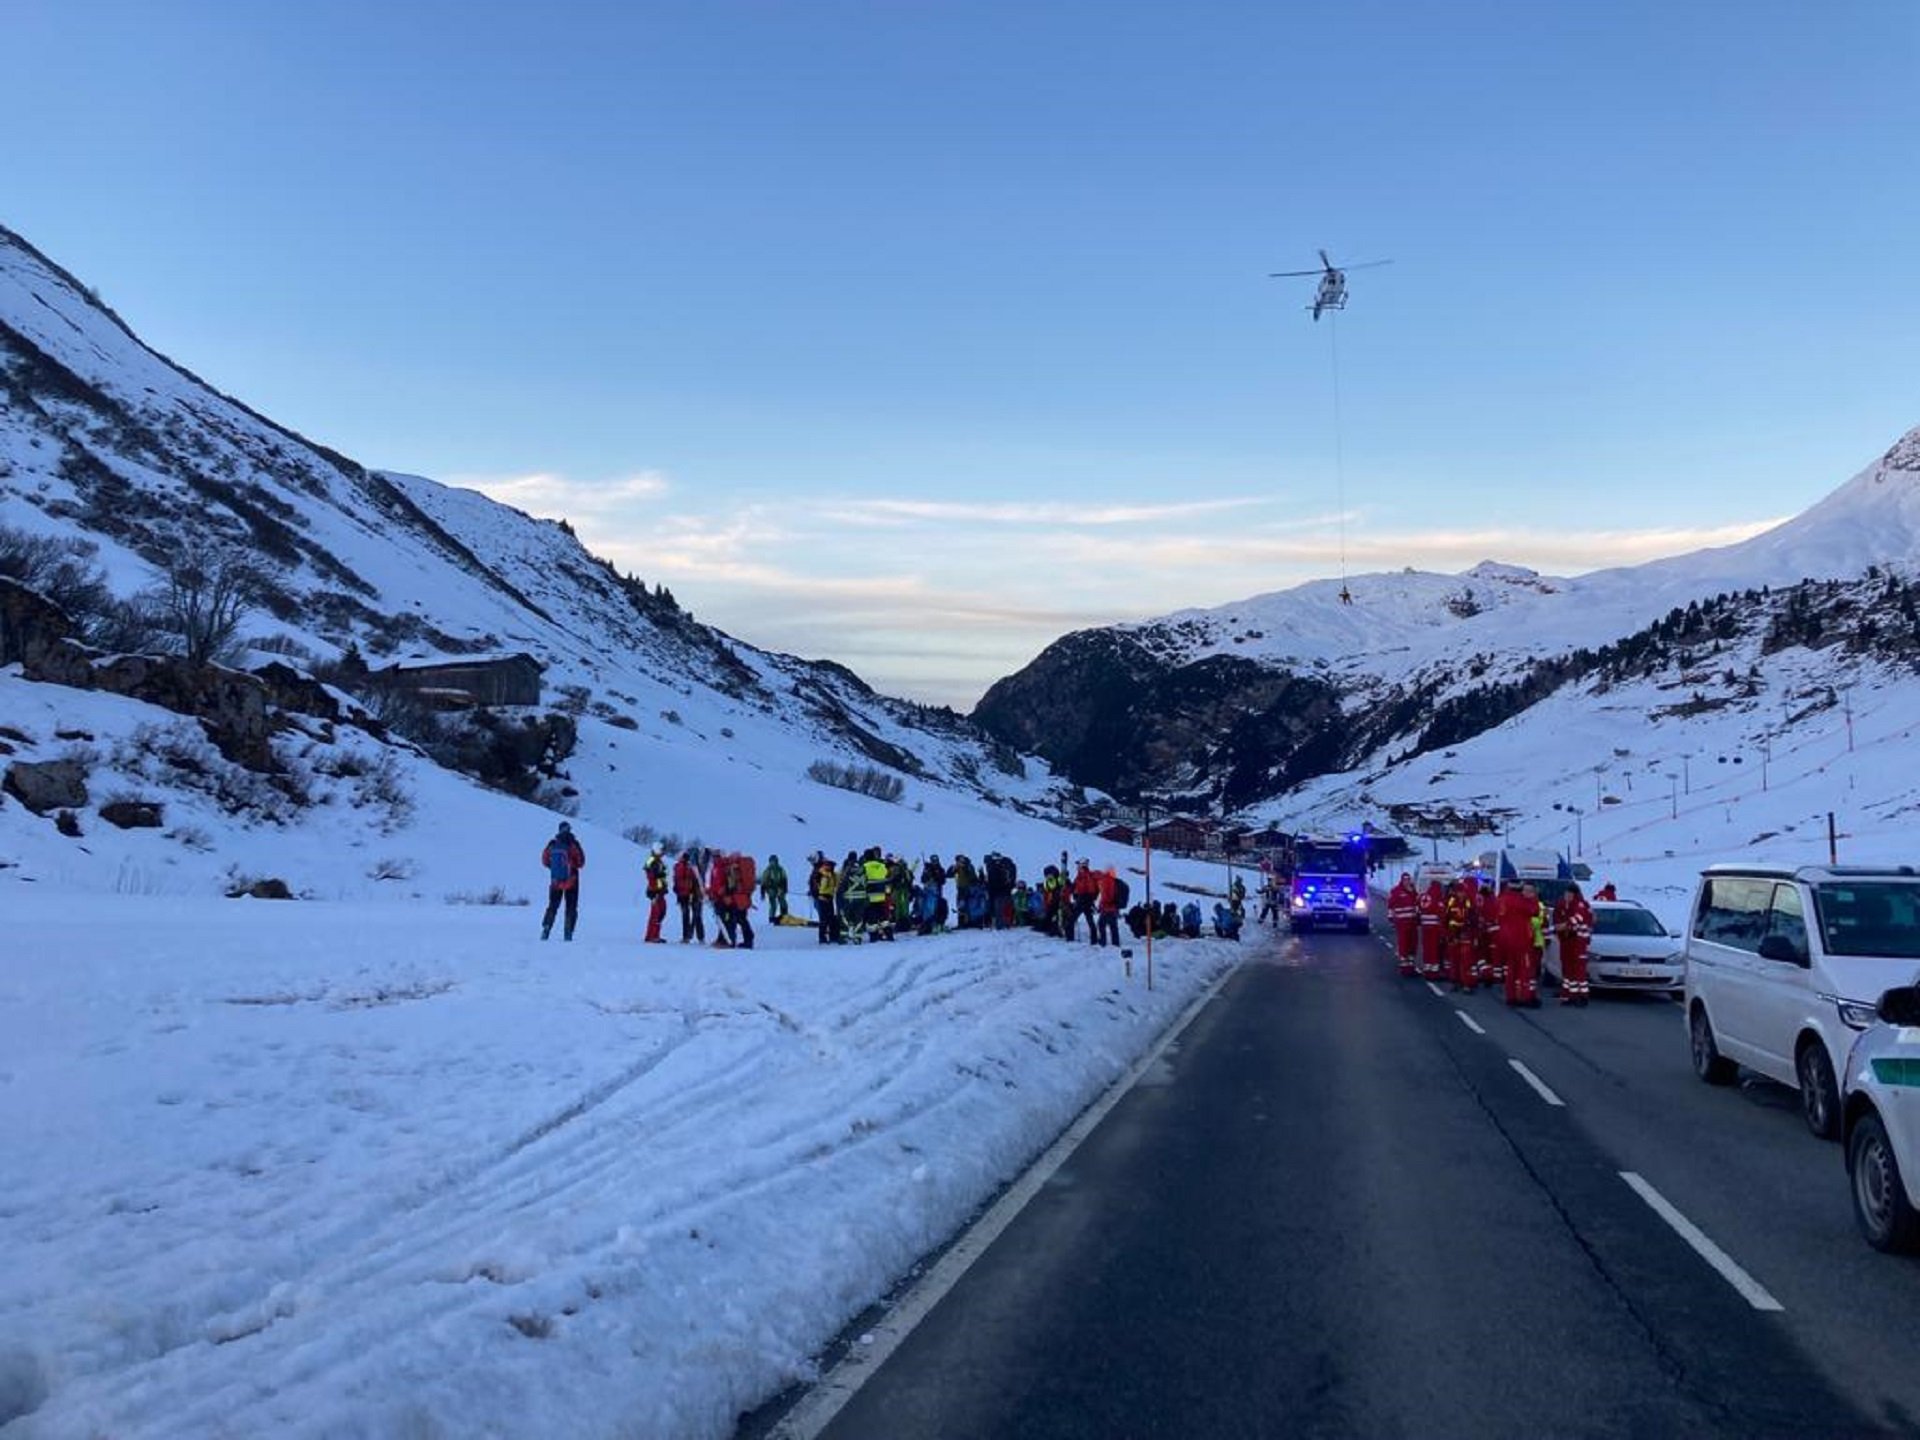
(1403, 909)
(1516, 912)
(1573, 923)
(1463, 932)
(1433, 931)
(1492, 969)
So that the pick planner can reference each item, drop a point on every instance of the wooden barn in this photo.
(1181, 835)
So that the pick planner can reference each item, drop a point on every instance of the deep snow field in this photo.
(352, 1168)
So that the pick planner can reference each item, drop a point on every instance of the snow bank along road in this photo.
(1355, 1205)
(312, 1169)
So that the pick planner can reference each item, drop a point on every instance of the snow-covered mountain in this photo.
(107, 445)
(1239, 704)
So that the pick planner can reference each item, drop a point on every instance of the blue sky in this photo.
(915, 334)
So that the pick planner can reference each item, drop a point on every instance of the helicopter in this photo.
(1332, 294)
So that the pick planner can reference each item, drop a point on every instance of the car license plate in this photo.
(1641, 972)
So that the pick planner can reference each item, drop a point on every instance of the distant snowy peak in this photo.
(1332, 621)
(1882, 500)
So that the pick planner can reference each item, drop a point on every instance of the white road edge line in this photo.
(816, 1409)
(1539, 1085)
(1438, 993)
(1751, 1290)
(1471, 1023)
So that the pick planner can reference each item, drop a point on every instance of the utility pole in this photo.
(1673, 794)
(1849, 711)
(1146, 845)
(1686, 772)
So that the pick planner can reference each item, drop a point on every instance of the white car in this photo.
(1630, 950)
(1882, 1124)
(1785, 966)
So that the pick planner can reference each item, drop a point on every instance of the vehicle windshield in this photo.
(1870, 917)
(1325, 859)
(1627, 922)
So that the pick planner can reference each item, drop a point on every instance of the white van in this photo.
(1785, 966)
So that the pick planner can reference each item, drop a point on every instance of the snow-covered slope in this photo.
(106, 442)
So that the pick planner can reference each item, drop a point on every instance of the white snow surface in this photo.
(351, 1168)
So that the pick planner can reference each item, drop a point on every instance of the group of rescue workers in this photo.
(874, 896)
(1466, 933)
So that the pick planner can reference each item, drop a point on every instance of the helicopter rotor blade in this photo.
(1288, 274)
(1325, 261)
(1366, 265)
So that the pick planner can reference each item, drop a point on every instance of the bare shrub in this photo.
(63, 570)
(207, 592)
(180, 755)
(861, 779)
(495, 896)
(393, 867)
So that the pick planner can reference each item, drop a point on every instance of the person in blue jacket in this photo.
(564, 860)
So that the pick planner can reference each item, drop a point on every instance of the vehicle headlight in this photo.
(1299, 902)
(1857, 1014)
(1360, 904)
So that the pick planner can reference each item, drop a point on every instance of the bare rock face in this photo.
(1106, 710)
(47, 785)
(268, 889)
(133, 814)
(36, 634)
(232, 705)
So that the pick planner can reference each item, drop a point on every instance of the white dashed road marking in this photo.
(1539, 1085)
(1471, 1023)
(1438, 993)
(1751, 1290)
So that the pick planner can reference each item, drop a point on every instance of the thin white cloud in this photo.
(1555, 551)
(550, 495)
(881, 512)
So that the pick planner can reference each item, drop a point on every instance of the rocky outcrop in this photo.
(231, 705)
(1109, 713)
(36, 634)
(47, 785)
(133, 814)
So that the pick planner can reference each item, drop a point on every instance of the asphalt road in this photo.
(1337, 1209)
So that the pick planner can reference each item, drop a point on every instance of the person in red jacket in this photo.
(686, 890)
(740, 888)
(1086, 894)
(1433, 918)
(1112, 894)
(730, 888)
(564, 860)
(1573, 923)
(1403, 909)
(1463, 933)
(722, 909)
(656, 895)
(1491, 968)
(1516, 912)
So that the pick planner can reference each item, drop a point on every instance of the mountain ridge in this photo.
(1407, 642)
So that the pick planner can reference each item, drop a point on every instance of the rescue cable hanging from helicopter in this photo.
(1330, 298)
